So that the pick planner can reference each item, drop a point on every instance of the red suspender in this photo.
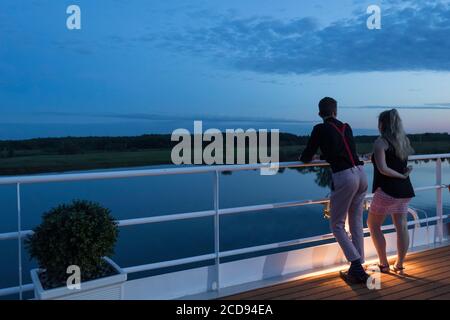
(344, 138)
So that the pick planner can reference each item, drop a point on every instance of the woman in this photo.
(391, 186)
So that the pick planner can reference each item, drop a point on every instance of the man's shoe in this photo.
(352, 278)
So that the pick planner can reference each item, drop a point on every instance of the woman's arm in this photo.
(380, 147)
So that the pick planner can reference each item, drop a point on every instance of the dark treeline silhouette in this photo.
(74, 145)
(421, 137)
(77, 145)
(87, 153)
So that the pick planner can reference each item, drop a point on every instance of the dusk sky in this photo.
(142, 66)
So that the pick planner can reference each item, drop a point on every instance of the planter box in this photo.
(108, 288)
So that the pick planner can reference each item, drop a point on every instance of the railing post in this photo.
(216, 286)
(439, 203)
(19, 241)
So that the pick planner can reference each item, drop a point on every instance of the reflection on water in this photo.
(323, 175)
(153, 196)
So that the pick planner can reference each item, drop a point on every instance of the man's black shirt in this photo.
(332, 146)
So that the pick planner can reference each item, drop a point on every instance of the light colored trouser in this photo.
(347, 198)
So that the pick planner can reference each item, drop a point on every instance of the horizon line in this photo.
(192, 134)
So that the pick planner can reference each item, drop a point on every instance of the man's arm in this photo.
(311, 147)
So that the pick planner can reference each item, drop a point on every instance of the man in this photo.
(349, 185)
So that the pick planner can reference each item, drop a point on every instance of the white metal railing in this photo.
(216, 212)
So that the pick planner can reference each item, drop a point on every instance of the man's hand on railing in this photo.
(315, 158)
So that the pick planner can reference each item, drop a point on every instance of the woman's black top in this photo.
(395, 187)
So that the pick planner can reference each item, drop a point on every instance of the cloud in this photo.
(424, 107)
(165, 117)
(443, 104)
(414, 37)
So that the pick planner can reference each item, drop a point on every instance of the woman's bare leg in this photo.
(401, 225)
(375, 222)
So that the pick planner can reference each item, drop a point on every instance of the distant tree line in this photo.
(77, 145)
(420, 137)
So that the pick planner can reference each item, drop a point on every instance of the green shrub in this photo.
(80, 233)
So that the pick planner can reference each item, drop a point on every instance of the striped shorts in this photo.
(383, 204)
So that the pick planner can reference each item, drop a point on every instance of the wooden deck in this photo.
(427, 276)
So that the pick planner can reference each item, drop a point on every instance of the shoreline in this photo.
(57, 163)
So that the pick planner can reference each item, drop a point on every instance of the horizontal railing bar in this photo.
(271, 246)
(173, 171)
(15, 290)
(14, 235)
(209, 213)
(166, 218)
(435, 187)
(171, 263)
(429, 156)
(279, 205)
(148, 172)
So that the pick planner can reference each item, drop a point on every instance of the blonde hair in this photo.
(393, 132)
